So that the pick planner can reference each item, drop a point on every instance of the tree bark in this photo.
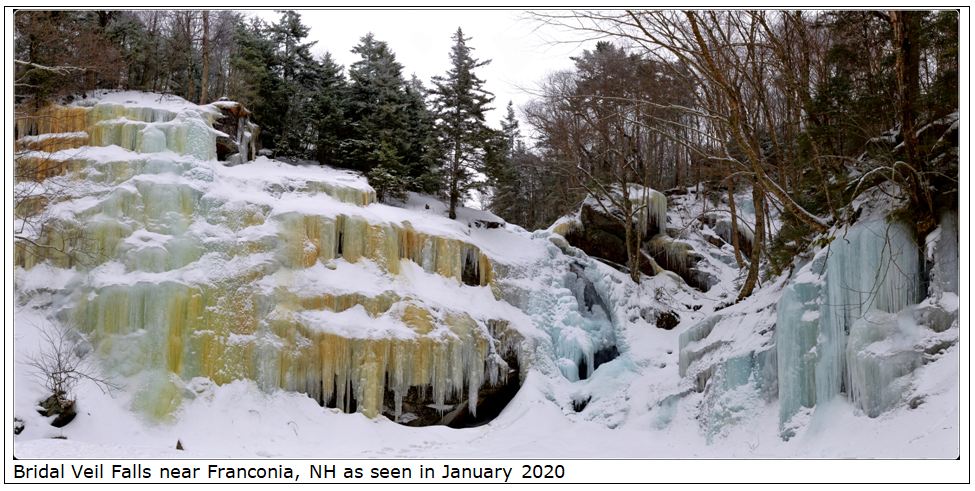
(758, 196)
(734, 220)
(907, 34)
(204, 83)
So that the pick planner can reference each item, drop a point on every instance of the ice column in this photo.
(875, 266)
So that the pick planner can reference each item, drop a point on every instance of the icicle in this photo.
(874, 266)
(676, 253)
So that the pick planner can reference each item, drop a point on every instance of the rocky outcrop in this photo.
(722, 228)
(53, 406)
(600, 233)
(236, 134)
(679, 257)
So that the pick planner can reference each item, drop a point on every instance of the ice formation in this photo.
(274, 276)
(731, 359)
(568, 305)
(848, 323)
(798, 330)
(836, 310)
(942, 251)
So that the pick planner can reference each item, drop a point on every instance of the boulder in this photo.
(603, 236)
(667, 320)
(64, 410)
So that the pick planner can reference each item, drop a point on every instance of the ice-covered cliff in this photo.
(288, 276)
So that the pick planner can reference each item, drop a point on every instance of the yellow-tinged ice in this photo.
(190, 299)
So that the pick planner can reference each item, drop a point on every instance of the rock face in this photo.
(237, 136)
(602, 235)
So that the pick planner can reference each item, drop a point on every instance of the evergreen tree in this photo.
(503, 178)
(279, 77)
(459, 104)
(377, 109)
(390, 129)
(509, 128)
(422, 151)
(297, 72)
(328, 112)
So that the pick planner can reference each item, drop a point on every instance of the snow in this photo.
(189, 241)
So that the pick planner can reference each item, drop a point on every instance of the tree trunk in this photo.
(759, 198)
(204, 83)
(907, 33)
(454, 177)
(188, 55)
(632, 237)
(734, 220)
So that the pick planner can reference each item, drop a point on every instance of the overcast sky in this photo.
(520, 51)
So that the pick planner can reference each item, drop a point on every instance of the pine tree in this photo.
(377, 109)
(298, 72)
(459, 104)
(328, 110)
(503, 177)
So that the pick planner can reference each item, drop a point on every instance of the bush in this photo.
(63, 360)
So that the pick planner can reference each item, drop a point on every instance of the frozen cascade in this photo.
(875, 266)
(942, 250)
(224, 274)
(585, 328)
(735, 380)
(572, 308)
(797, 327)
(689, 339)
(824, 332)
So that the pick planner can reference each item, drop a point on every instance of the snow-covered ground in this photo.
(637, 405)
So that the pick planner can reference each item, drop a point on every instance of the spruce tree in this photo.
(503, 177)
(328, 110)
(298, 71)
(377, 108)
(390, 132)
(459, 104)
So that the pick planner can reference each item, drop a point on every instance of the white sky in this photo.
(520, 50)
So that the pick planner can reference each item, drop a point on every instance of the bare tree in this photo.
(205, 82)
(39, 234)
(62, 360)
(594, 121)
(726, 58)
